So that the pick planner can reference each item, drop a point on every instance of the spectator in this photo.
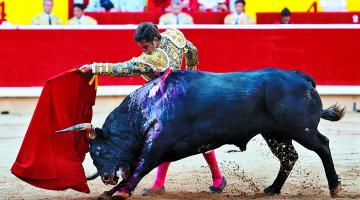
(46, 18)
(185, 5)
(103, 5)
(333, 5)
(285, 17)
(132, 6)
(79, 17)
(175, 16)
(212, 5)
(239, 16)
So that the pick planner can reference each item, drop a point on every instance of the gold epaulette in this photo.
(157, 60)
(175, 36)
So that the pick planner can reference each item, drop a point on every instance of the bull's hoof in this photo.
(335, 191)
(121, 196)
(104, 196)
(271, 190)
(153, 191)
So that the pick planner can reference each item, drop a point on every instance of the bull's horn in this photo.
(92, 177)
(78, 127)
(81, 127)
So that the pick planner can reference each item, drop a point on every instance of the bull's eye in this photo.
(97, 151)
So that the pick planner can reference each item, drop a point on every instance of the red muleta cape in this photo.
(50, 160)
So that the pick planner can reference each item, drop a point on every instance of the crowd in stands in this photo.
(175, 11)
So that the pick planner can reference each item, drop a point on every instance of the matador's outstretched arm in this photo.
(128, 68)
(144, 64)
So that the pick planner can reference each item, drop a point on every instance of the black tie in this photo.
(49, 20)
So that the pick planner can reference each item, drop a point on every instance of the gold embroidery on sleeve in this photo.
(191, 53)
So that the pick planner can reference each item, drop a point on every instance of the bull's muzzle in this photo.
(109, 179)
(88, 127)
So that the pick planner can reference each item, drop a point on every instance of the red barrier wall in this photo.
(29, 57)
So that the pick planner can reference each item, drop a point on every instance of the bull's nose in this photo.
(108, 178)
(105, 178)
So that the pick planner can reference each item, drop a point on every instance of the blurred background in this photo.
(22, 12)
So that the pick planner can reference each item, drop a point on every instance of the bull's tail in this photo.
(307, 77)
(334, 113)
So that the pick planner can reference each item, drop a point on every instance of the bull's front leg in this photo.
(107, 194)
(149, 159)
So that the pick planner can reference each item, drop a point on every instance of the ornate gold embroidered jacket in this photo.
(173, 46)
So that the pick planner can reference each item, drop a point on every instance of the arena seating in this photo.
(136, 18)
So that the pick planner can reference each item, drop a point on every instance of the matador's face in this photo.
(148, 47)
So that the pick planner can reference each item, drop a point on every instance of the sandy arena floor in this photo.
(248, 173)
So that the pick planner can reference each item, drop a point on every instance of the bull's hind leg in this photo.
(284, 150)
(315, 141)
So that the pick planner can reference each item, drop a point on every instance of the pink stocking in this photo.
(161, 175)
(216, 174)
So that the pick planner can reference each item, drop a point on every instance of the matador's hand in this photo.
(85, 69)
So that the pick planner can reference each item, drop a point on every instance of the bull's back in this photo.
(232, 101)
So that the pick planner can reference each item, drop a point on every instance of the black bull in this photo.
(194, 112)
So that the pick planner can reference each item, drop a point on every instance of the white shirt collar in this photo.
(241, 14)
(47, 14)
